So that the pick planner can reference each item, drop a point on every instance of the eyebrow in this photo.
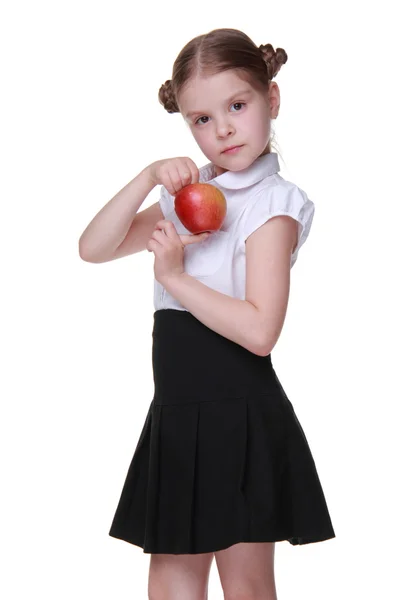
(238, 93)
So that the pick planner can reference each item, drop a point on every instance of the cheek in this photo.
(259, 123)
(202, 137)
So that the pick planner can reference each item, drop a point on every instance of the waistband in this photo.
(192, 362)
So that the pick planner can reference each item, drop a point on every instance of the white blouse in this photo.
(253, 196)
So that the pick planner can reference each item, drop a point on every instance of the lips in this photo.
(231, 148)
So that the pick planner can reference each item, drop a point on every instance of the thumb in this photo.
(195, 238)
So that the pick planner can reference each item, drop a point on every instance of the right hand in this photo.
(174, 173)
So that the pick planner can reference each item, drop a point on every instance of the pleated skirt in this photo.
(222, 457)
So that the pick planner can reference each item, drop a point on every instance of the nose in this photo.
(224, 128)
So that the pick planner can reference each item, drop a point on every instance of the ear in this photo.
(274, 99)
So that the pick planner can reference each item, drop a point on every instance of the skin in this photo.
(246, 570)
(219, 123)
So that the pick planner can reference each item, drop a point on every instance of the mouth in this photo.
(232, 150)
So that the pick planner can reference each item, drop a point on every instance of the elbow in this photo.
(261, 349)
(267, 344)
(86, 256)
(258, 339)
(92, 259)
(83, 254)
(259, 345)
(265, 351)
(263, 341)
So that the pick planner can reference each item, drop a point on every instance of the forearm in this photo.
(238, 320)
(109, 227)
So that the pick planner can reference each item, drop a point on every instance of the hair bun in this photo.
(273, 59)
(166, 97)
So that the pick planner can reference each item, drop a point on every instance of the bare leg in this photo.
(179, 576)
(246, 571)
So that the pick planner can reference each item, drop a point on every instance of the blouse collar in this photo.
(262, 167)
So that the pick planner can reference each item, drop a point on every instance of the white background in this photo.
(80, 118)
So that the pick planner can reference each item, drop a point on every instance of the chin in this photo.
(237, 163)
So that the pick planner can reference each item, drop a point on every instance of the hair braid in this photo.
(166, 97)
(273, 59)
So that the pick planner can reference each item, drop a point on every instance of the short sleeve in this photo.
(287, 199)
(166, 201)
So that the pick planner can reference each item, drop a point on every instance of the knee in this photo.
(163, 596)
(249, 592)
(239, 595)
(159, 592)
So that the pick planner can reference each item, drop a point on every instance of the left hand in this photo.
(168, 247)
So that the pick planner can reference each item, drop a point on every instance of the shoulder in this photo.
(278, 197)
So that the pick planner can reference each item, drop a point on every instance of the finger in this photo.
(159, 226)
(165, 232)
(159, 235)
(169, 185)
(193, 170)
(186, 175)
(194, 239)
(176, 179)
(185, 170)
(171, 233)
(150, 245)
(164, 224)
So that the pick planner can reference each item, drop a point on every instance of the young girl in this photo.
(222, 466)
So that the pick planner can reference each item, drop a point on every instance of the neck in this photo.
(219, 170)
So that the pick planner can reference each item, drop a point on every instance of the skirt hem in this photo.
(294, 541)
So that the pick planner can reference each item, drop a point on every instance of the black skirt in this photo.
(222, 457)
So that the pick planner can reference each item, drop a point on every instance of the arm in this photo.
(268, 260)
(104, 237)
(108, 229)
(254, 323)
(233, 318)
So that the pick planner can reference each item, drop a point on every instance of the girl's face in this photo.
(224, 110)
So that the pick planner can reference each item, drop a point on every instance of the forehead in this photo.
(201, 92)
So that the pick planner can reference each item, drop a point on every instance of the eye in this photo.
(238, 104)
(201, 122)
(199, 119)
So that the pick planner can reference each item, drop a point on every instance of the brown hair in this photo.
(217, 51)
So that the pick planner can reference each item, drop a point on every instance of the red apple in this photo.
(200, 207)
